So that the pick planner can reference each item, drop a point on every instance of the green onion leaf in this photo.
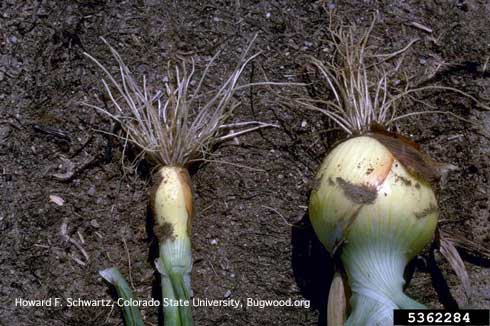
(132, 315)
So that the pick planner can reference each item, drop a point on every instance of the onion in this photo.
(367, 201)
(175, 126)
(172, 209)
(372, 203)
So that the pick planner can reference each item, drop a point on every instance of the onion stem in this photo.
(376, 278)
(170, 312)
(176, 295)
(183, 294)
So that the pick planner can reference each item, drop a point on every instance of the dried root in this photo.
(179, 123)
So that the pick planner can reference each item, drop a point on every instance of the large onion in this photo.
(382, 216)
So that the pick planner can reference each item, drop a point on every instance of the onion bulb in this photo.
(172, 208)
(367, 201)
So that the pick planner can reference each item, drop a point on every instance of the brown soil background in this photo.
(242, 247)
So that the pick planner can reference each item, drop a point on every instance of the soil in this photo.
(251, 236)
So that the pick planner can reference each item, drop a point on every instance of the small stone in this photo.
(227, 294)
(57, 200)
(92, 190)
(214, 242)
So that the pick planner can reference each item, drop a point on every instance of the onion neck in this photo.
(375, 273)
(175, 266)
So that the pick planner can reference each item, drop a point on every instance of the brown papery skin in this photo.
(409, 154)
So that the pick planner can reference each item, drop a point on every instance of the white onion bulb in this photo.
(366, 202)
